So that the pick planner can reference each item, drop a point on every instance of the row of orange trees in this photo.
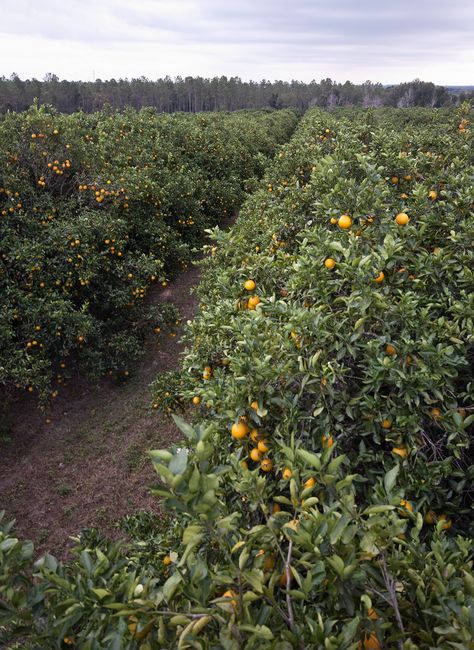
(321, 497)
(94, 209)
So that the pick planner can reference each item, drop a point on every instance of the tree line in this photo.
(195, 94)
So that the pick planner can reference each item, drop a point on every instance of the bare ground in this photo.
(88, 466)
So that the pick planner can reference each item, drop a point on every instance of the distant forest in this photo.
(193, 94)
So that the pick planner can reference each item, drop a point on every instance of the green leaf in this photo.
(186, 428)
(390, 478)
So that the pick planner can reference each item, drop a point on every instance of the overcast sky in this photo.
(357, 40)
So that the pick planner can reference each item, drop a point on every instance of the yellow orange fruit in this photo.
(266, 465)
(370, 642)
(262, 446)
(232, 596)
(400, 451)
(287, 474)
(329, 263)
(327, 441)
(196, 400)
(311, 482)
(386, 424)
(407, 507)
(433, 195)
(255, 455)
(252, 302)
(344, 222)
(380, 277)
(249, 285)
(390, 350)
(239, 430)
(402, 219)
(254, 405)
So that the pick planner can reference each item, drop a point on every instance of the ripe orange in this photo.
(386, 424)
(436, 413)
(311, 482)
(327, 441)
(390, 350)
(431, 517)
(402, 219)
(249, 285)
(239, 430)
(333, 220)
(266, 465)
(196, 400)
(373, 614)
(167, 560)
(255, 455)
(253, 301)
(254, 436)
(344, 222)
(447, 523)
(370, 642)
(329, 263)
(400, 451)
(254, 405)
(230, 594)
(380, 277)
(287, 474)
(269, 562)
(433, 195)
(262, 446)
(276, 507)
(394, 180)
(407, 507)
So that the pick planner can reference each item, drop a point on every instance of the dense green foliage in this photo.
(94, 209)
(194, 94)
(324, 494)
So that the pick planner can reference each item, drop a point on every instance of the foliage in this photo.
(95, 210)
(322, 494)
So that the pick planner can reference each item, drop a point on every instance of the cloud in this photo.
(303, 39)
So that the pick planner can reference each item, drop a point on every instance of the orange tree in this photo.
(322, 495)
(94, 209)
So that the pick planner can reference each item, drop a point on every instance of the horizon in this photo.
(174, 78)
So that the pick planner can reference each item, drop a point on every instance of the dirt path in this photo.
(88, 467)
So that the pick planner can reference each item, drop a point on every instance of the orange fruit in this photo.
(447, 523)
(266, 465)
(276, 507)
(431, 517)
(402, 219)
(372, 614)
(196, 400)
(386, 424)
(269, 562)
(232, 596)
(344, 222)
(311, 482)
(333, 220)
(254, 405)
(252, 302)
(239, 430)
(436, 413)
(166, 560)
(262, 446)
(433, 195)
(394, 180)
(327, 441)
(370, 642)
(287, 474)
(380, 277)
(249, 285)
(329, 263)
(255, 455)
(400, 451)
(390, 350)
(407, 507)
(254, 436)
